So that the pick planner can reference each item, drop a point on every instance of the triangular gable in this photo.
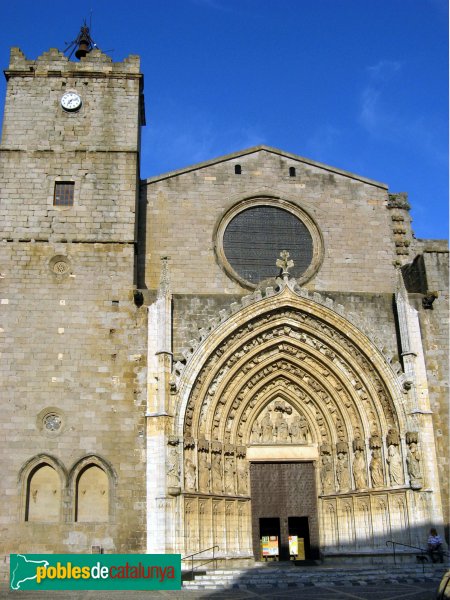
(262, 148)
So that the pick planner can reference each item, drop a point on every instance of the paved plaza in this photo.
(419, 591)
(348, 586)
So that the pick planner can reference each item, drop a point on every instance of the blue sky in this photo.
(358, 84)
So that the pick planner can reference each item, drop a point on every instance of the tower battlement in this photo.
(54, 63)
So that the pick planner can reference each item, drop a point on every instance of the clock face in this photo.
(71, 101)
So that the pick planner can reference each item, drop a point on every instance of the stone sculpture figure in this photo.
(342, 472)
(204, 469)
(242, 477)
(395, 465)
(376, 468)
(281, 429)
(304, 429)
(229, 475)
(414, 467)
(189, 474)
(299, 429)
(359, 470)
(217, 472)
(326, 474)
(254, 438)
(173, 471)
(266, 429)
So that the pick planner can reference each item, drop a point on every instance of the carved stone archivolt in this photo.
(353, 398)
(293, 373)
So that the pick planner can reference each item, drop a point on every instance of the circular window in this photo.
(252, 235)
(50, 421)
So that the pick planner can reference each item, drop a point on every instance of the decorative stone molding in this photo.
(203, 445)
(216, 447)
(399, 200)
(241, 451)
(60, 267)
(392, 438)
(273, 291)
(412, 437)
(51, 421)
(374, 442)
(341, 447)
(358, 444)
(325, 449)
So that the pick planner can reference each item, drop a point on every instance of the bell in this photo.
(84, 43)
(83, 49)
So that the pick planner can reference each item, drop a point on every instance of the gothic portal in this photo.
(248, 353)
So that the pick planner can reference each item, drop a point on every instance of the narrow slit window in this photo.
(64, 193)
(292, 172)
(237, 169)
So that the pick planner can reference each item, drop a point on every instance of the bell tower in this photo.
(69, 182)
(71, 145)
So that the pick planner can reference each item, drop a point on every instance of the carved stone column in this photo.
(160, 458)
(416, 387)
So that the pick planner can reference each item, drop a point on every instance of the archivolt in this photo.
(289, 347)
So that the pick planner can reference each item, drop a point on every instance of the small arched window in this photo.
(43, 498)
(292, 172)
(92, 495)
(237, 169)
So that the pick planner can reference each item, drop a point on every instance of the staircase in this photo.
(286, 576)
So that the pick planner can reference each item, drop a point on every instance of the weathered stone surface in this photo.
(151, 387)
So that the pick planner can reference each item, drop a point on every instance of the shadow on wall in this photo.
(379, 552)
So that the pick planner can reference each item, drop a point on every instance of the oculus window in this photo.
(252, 235)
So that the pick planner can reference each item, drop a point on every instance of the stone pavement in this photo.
(383, 583)
(420, 591)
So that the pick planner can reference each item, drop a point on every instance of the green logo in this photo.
(95, 572)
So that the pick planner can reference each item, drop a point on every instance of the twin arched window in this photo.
(88, 486)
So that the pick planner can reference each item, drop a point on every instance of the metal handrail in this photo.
(422, 550)
(191, 556)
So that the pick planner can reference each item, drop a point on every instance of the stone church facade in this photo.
(251, 346)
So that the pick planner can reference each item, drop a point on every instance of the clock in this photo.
(71, 101)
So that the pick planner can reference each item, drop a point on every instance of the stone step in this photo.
(297, 577)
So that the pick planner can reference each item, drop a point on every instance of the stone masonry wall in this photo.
(184, 209)
(42, 143)
(434, 324)
(192, 312)
(104, 203)
(75, 343)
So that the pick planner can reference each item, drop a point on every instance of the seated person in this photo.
(434, 546)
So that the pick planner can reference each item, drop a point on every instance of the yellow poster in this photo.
(297, 547)
(269, 545)
(293, 545)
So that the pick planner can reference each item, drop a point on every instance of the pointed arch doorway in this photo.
(288, 390)
(284, 507)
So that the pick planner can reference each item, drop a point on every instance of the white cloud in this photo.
(177, 145)
(322, 141)
(386, 120)
(373, 116)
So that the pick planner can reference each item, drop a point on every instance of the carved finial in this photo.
(429, 298)
(284, 263)
(164, 281)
